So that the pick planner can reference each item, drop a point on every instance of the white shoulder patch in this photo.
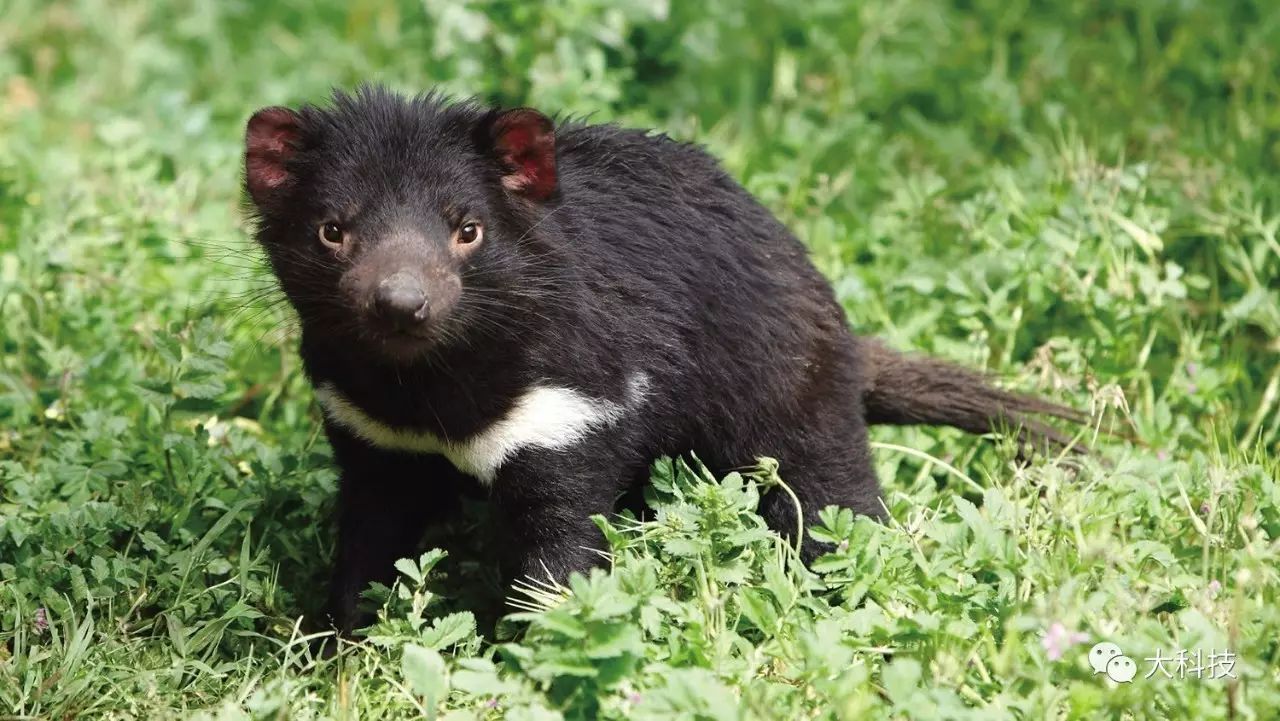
(544, 417)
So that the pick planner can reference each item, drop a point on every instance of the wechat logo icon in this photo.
(1106, 657)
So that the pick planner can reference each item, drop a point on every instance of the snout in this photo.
(409, 304)
(401, 301)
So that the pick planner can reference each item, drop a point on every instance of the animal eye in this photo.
(470, 233)
(332, 235)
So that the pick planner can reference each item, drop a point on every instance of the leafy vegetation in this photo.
(1078, 196)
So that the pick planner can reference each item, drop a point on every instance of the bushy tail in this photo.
(917, 390)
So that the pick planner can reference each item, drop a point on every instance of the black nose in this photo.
(401, 299)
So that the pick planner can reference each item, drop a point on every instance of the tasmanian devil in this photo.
(490, 297)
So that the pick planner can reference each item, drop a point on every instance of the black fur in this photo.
(645, 256)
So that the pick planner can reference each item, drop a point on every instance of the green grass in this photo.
(1082, 200)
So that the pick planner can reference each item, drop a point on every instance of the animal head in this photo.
(401, 223)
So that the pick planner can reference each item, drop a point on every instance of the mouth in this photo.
(405, 343)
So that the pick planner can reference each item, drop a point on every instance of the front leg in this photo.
(386, 500)
(544, 502)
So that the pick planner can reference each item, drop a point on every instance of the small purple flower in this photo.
(1214, 588)
(1193, 388)
(1192, 368)
(1162, 455)
(1205, 509)
(1058, 639)
(633, 698)
(42, 620)
(491, 703)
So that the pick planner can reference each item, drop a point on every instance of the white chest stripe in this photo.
(544, 417)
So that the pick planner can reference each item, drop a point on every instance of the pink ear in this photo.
(525, 142)
(268, 144)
